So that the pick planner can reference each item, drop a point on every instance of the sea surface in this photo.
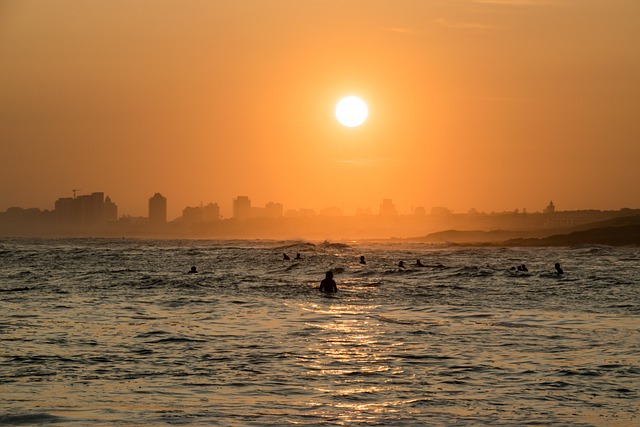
(107, 332)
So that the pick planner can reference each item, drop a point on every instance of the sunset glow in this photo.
(485, 105)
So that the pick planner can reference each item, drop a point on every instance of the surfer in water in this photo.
(328, 284)
(298, 256)
(193, 269)
(419, 264)
(401, 264)
(362, 261)
(285, 257)
(558, 269)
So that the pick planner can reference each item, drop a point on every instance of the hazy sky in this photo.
(486, 104)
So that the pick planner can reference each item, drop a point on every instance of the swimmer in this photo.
(419, 264)
(558, 269)
(193, 269)
(362, 261)
(298, 256)
(328, 284)
(401, 264)
(285, 257)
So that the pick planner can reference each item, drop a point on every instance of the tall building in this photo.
(158, 209)
(211, 212)
(388, 208)
(64, 210)
(241, 207)
(87, 209)
(110, 210)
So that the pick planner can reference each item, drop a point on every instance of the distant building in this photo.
(420, 211)
(440, 211)
(211, 212)
(241, 207)
(273, 210)
(193, 215)
(201, 214)
(551, 208)
(64, 210)
(387, 208)
(110, 210)
(82, 210)
(158, 209)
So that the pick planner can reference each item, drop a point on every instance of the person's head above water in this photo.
(193, 269)
(362, 261)
(329, 275)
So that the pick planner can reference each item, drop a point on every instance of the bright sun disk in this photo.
(351, 111)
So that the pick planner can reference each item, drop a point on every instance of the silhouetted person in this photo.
(328, 284)
(193, 269)
(558, 269)
(401, 264)
(298, 256)
(522, 268)
(285, 257)
(419, 264)
(362, 261)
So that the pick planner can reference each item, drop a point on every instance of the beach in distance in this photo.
(119, 332)
(617, 232)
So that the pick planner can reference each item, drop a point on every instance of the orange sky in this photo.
(486, 104)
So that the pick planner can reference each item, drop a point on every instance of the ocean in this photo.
(106, 332)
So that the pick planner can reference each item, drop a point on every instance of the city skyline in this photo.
(226, 209)
(242, 207)
(490, 105)
(94, 215)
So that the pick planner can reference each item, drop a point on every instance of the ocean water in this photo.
(115, 332)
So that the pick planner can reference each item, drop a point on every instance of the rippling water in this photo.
(114, 332)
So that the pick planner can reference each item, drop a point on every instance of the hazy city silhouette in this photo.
(97, 216)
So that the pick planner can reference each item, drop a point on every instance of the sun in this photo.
(351, 111)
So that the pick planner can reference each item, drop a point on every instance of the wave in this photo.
(330, 245)
(29, 419)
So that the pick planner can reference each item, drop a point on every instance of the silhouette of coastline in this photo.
(617, 232)
(610, 236)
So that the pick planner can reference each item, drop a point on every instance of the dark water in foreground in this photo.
(113, 332)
